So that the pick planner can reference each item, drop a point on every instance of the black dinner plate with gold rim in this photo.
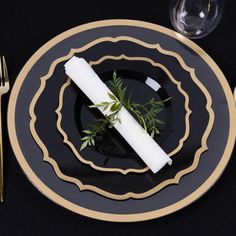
(179, 136)
(37, 162)
(136, 71)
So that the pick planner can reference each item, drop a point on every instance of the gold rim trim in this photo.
(124, 172)
(122, 217)
(127, 195)
(235, 94)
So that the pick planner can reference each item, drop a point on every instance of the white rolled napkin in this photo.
(93, 87)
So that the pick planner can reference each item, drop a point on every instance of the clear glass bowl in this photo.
(196, 18)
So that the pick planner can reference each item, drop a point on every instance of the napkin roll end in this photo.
(71, 65)
(158, 167)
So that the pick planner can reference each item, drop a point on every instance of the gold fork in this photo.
(4, 88)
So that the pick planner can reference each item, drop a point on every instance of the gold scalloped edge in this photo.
(130, 170)
(127, 195)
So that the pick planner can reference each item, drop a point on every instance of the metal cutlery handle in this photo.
(1, 156)
(4, 88)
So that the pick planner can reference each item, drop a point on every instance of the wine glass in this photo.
(196, 18)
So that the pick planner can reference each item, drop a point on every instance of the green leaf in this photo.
(110, 126)
(152, 100)
(93, 142)
(138, 112)
(95, 106)
(153, 133)
(157, 131)
(157, 110)
(166, 100)
(112, 97)
(160, 121)
(83, 146)
(118, 82)
(105, 107)
(122, 94)
(84, 138)
(87, 131)
(115, 107)
(114, 75)
(111, 83)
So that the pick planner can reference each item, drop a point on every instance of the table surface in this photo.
(27, 26)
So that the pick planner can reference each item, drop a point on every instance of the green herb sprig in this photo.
(146, 114)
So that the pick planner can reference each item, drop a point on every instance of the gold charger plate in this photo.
(132, 215)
